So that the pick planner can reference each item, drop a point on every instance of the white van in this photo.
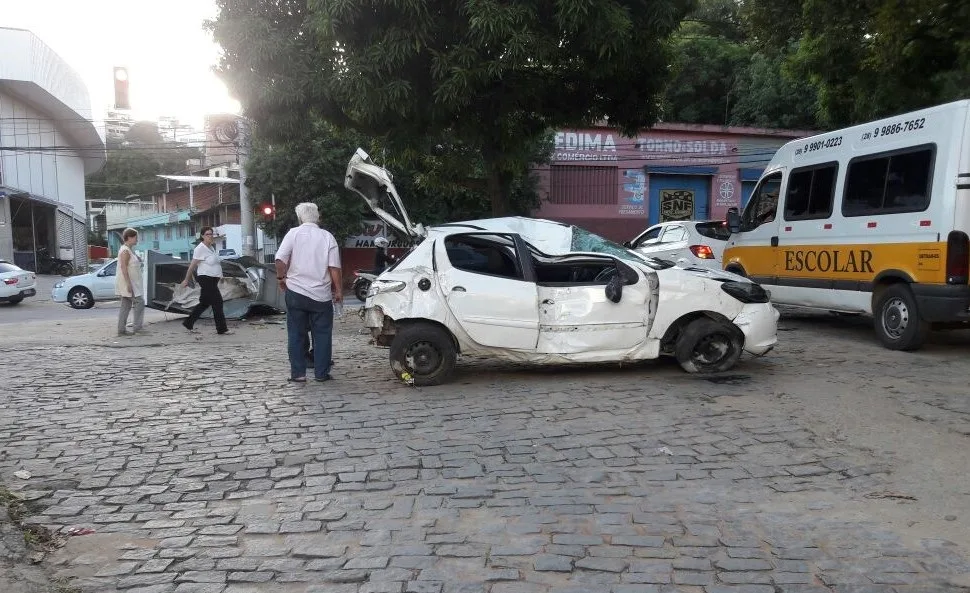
(868, 219)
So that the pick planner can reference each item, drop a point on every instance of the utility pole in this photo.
(246, 219)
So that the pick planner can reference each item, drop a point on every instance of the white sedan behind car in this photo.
(81, 292)
(16, 284)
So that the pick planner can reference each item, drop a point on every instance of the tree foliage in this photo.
(133, 164)
(441, 182)
(494, 76)
(767, 95)
(869, 58)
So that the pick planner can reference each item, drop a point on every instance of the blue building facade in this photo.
(172, 233)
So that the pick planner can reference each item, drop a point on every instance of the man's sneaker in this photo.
(228, 332)
(191, 330)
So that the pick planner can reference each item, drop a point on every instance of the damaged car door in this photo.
(576, 313)
(489, 288)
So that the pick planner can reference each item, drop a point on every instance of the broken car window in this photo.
(484, 254)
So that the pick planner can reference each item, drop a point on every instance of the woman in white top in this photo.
(206, 259)
(128, 284)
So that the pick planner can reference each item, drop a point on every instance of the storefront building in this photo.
(617, 186)
(48, 144)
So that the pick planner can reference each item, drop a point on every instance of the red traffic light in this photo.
(268, 211)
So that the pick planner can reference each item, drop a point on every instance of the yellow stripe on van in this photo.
(923, 262)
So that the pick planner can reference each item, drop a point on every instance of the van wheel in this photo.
(707, 346)
(897, 321)
(424, 354)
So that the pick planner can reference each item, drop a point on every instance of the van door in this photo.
(753, 251)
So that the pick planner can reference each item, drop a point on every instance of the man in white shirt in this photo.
(308, 269)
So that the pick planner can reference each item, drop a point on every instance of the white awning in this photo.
(199, 179)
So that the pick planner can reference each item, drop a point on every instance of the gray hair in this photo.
(307, 212)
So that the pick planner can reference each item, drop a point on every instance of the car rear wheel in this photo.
(15, 300)
(708, 346)
(897, 321)
(80, 298)
(423, 354)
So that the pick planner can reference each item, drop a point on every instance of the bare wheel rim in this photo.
(423, 358)
(895, 318)
(712, 349)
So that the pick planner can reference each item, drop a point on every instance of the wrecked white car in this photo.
(534, 290)
(246, 286)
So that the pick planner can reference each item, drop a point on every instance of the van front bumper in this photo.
(940, 303)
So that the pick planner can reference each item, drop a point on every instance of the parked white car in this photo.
(535, 290)
(16, 284)
(685, 242)
(81, 292)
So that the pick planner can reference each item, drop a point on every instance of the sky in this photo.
(168, 55)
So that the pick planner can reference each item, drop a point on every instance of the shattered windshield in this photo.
(584, 240)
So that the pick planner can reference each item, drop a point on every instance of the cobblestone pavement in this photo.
(200, 469)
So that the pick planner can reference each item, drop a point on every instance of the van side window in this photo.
(763, 204)
(890, 184)
(810, 192)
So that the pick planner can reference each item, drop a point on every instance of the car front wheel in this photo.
(423, 354)
(80, 298)
(708, 346)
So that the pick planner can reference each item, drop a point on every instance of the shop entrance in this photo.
(33, 227)
(679, 197)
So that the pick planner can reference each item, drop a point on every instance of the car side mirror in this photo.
(733, 220)
(614, 288)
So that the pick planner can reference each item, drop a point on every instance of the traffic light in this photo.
(268, 211)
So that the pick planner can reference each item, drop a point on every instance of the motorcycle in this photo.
(362, 282)
(48, 264)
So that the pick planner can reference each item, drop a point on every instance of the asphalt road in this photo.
(41, 308)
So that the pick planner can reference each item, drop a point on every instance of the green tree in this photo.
(766, 95)
(709, 56)
(133, 164)
(308, 167)
(495, 76)
(871, 58)
(441, 182)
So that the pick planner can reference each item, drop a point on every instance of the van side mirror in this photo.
(733, 220)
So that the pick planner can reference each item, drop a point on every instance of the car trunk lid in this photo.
(375, 185)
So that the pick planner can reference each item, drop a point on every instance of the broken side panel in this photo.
(245, 284)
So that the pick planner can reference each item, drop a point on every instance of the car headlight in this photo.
(746, 292)
(59, 284)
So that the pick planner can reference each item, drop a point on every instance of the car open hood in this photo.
(374, 184)
(245, 284)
